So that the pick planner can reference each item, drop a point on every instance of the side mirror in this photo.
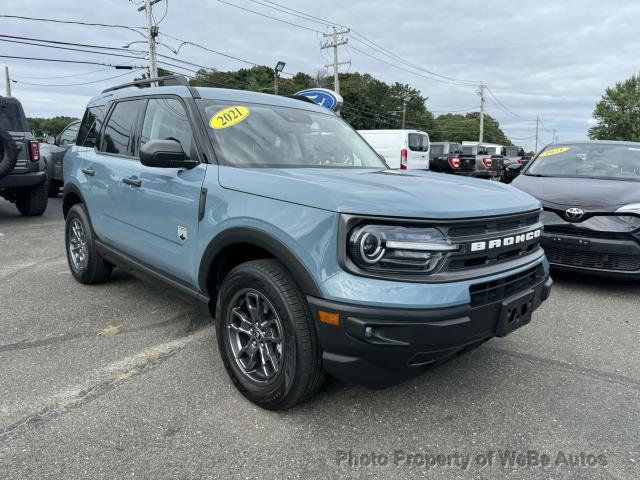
(51, 140)
(514, 168)
(165, 154)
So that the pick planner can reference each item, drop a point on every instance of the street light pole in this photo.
(278, 68)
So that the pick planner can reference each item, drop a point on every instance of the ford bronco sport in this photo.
(23, 179)
(312, 256)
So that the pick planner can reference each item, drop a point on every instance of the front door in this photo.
(164, 209)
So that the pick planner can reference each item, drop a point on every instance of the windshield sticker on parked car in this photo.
(228, 117)
(554, 151)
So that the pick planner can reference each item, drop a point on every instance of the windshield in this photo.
(253, 135)
(600, 160)
(11, 117)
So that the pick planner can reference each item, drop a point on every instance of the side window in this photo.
(90, 126)
(117, 133)
(69, 135)
(166, 119)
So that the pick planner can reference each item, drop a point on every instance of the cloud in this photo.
(540, 58)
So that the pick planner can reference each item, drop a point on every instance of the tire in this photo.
(8, 153)
(286, 315)
(53, 188)
(91, 267)
(32, 202)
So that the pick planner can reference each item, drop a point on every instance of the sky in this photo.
(540, 58)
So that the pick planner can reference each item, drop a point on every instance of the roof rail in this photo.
(166, 81)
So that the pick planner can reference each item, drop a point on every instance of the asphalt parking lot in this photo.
(122, 380)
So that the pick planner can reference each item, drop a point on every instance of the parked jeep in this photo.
(53, 154)
(23, 179)
(280, 220)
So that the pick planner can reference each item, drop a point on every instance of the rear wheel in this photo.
(86, 264)
(266, 336)
(32, 202)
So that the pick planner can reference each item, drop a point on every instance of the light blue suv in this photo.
(279, 219)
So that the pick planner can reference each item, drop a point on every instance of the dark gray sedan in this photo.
(590, 192)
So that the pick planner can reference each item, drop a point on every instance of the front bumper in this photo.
(23, 180)
(614, 257)
(378, 347)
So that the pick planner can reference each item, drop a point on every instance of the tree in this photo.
(49, 126)
(456, 128)
(618, 113)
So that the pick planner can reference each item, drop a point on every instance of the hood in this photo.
(591, 193)
(394, 193)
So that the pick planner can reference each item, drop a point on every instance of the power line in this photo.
(363, 40)
(289, 11)
(503, 106)
(75, 84)
(107, 25)
(56, 60)
(244, 9)
(351, 47)
(69, 48)
(66, 76)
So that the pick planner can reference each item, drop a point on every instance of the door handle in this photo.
(89, 171)
(133, 181)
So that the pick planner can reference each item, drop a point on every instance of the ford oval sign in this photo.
(323, 97)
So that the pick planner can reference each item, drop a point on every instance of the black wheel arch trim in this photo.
(68, 189)
(263, 240)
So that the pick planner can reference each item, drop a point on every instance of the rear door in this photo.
(418, 151)
(108, 169)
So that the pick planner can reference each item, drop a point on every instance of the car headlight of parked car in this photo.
(631, 208)
(392, 249)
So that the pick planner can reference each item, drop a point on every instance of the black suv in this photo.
(23, 179)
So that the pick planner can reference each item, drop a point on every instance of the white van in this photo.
(404, 149)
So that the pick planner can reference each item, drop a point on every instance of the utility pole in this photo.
(555, 137)
(537, 124)
(152, 33)
(335, 43)
(481, 93)
(7, 80)
(404, 111)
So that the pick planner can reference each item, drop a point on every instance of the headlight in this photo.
(396, 249)
(631, 208)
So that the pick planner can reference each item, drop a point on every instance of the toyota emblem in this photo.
(574, 213)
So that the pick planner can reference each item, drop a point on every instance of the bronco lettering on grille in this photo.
(505, 241)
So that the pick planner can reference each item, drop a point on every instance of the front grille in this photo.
(595, 260)
(489, 292)
(485, 231)
(581, 232)
(492, 226)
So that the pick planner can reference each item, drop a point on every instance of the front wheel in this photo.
(85, 263)
(266, 336)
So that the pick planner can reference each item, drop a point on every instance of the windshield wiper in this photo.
(535, 175)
